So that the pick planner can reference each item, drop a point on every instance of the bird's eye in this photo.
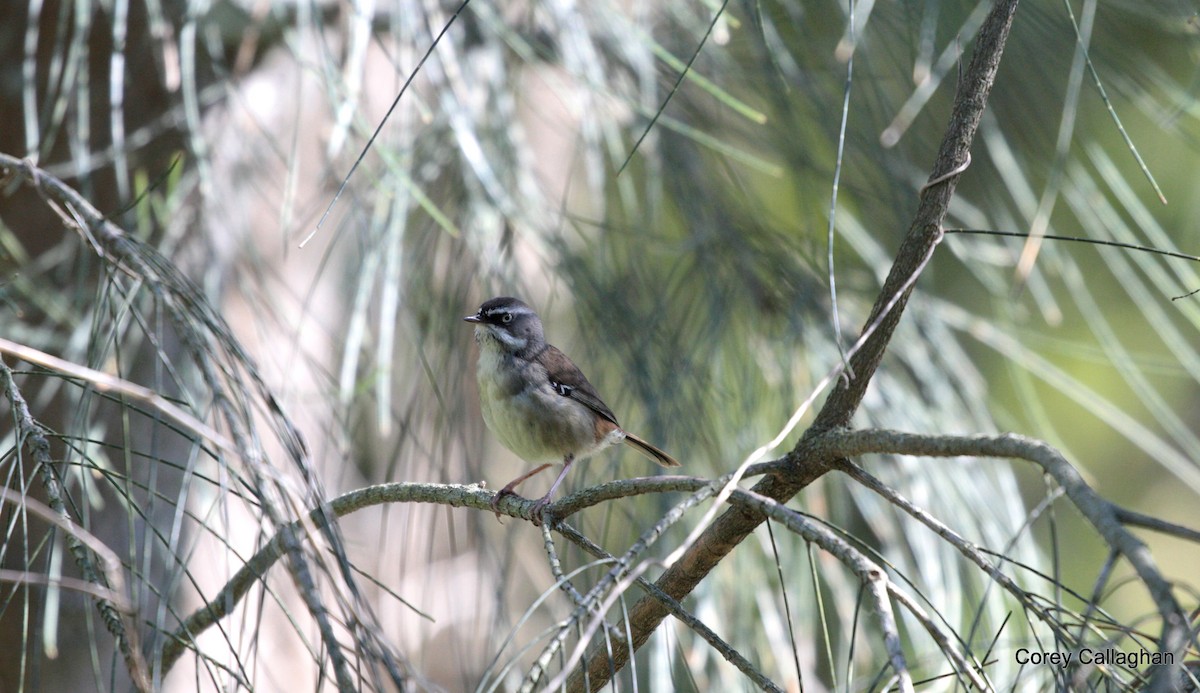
(506, 318)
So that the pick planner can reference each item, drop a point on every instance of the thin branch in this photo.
(1079, 239)
(674, 88)
(104, 382)
(831, 228)
(872, 575)
(231, 594)
(564, 583)
(614, 582)
(83, 586)
(1102, 515)
(379, 128)
(679, 612)
(116, 616)
(1136, 519)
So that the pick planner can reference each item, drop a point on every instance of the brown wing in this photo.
(568, 381)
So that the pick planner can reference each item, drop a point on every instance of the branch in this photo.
(103, 382)
(923, 236)
(474, 496)
(116, 615)
(833, 445)
(678, 611)
(1104, 516)
(231, 594)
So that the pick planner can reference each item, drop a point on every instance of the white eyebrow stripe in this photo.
(514, 311)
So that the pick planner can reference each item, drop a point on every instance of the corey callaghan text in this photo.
(1088, 656)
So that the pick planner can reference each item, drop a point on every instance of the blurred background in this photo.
(675, 235)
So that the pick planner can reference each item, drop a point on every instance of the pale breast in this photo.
(529, 417)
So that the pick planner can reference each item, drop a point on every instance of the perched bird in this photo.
(537, 401)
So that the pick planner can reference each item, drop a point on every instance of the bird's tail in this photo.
(650, 451)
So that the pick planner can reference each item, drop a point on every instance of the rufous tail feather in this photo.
(650, 451)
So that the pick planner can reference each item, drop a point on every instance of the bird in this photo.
(537, 401)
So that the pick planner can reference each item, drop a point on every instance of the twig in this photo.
(679, 612)
(1102, 515)
(612, 583)
(223, 603)
(1136, 519)
(83, 586)
(556, 567)
(116, 615)
(104, 382)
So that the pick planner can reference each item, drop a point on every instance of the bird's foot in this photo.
(538, 512)
(508, 488)
(506, 491)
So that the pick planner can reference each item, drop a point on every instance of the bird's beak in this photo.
(473, 318)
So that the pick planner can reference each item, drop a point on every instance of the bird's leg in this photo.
(508, 488)
(542, 502)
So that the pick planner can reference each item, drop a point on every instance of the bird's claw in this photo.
(496, 501)
(538, 512)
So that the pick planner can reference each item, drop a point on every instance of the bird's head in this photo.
(508, 322)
